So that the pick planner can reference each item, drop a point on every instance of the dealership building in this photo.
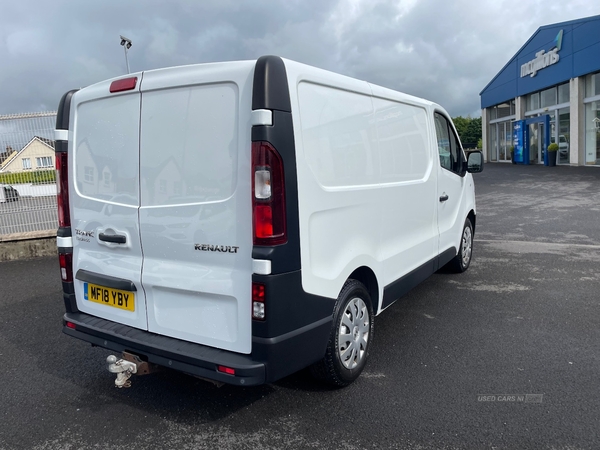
(549, 92)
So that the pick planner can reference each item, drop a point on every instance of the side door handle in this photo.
(444, 197)
(114, 238)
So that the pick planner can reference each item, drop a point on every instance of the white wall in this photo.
(37, 190)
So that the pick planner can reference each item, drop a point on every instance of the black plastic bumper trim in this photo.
(105, 280)
(169, 352)
(292, 334)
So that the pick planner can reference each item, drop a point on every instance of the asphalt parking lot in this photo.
(506, 355)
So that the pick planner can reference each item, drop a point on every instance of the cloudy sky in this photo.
(443, 50)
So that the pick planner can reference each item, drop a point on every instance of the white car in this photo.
(563, 145)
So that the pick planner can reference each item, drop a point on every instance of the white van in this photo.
(241, 221)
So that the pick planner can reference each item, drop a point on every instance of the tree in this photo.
(469, 130)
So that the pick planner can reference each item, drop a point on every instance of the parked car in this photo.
(8, 194)
(563, 145)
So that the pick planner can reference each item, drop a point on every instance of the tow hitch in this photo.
(129, 365)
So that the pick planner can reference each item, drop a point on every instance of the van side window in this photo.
(449, 148)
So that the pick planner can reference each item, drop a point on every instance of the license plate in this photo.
(109, 296)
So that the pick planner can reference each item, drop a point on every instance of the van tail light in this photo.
(258, 301)
(62, 189)
(66, 266)
(268, 195)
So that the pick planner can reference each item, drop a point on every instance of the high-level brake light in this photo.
(125, 84)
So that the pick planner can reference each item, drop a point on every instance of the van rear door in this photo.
(195, 214)
(104, 197)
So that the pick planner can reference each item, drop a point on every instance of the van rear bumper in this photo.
(184, 356)
(270, 360)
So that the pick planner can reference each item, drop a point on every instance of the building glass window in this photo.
(533, 101)
(563, 93)
(502, 148)
(493, 113)
(592, 133)
(500, 141)
(548, 97)
(592, 85)
(564, 135)
(493, 143)
(503, 110)
(26, 163)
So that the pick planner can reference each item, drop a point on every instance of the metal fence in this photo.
(27, 176)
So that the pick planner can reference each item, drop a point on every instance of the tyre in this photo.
(350, 337)
(462, 260)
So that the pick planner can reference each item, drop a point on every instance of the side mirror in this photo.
(475, 162)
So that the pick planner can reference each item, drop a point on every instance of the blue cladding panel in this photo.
(586, 47)
(579, 55)
(504, 87)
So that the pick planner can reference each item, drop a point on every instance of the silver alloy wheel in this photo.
(467, 242)
(353, 333)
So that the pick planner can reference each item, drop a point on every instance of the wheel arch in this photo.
(471, 217)
(367, 277)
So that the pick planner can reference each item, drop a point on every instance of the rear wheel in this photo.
(351, 335)
(462, 260)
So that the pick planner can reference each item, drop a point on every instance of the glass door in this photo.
(564, 128)
(534, 148)
(538, 131)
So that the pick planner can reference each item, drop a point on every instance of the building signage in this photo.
(519, 141)
(543, 59)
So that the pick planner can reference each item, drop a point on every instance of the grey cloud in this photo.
(446, 51)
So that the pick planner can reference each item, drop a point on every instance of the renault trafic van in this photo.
(241, 221)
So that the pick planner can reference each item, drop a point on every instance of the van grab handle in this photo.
(114, 238)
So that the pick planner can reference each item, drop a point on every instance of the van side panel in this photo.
(366, 180)
(408, 188)
(338, 180)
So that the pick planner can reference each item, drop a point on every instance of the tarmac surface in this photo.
(506, 355)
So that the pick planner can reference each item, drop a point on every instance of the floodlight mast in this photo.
(126, 43)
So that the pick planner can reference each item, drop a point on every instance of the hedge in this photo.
(35, 177)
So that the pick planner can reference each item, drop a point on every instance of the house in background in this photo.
(6, 156)
(37, 154)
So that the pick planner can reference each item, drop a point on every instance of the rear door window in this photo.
(107, 149)
(189, 144)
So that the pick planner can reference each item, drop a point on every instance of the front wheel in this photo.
(351, 335)
(462, 260)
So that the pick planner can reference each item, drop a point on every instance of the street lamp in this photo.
(126, 43)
